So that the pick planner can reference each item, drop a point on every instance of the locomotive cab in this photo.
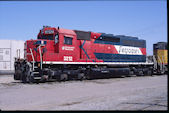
(56, 45)
(47, 33)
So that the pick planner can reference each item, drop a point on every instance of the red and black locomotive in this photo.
(63, 54)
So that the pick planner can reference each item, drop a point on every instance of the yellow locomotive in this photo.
(160, 51)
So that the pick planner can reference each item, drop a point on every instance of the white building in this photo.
(8, 52)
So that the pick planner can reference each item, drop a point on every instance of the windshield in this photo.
(47, 37)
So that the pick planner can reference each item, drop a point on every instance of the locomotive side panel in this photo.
(163, 56)
(86, 51)
(111, 48)
(100, 48)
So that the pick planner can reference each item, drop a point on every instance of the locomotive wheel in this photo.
(27, 78)
(88, 77)
(148, 73)
(30, 79)
(43, 80)
(130, 74)
(81, 76)
(140, 73)
(63, 77)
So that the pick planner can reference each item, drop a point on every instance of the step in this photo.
(35, 72)
(35, 66)
(37, 78)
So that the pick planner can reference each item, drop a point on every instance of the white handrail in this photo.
(160, 62)
(163, 62)
(155, 62)
(32, 58)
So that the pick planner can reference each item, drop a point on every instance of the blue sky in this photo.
(147, 20)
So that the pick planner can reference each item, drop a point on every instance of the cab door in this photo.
(69, 48)
(56, 43)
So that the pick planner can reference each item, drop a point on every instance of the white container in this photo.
(8, 52)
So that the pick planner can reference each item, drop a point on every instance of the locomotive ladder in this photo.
(155, 63)
(35, 72)
(160, 64)
(34, 59)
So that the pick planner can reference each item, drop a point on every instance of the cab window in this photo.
(47, 37)
(68, 40)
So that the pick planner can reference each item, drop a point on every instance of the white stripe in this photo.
(118, 63)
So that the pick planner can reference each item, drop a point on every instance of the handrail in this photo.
(163, 64)
(155, 62)
(32, 58)
(40, 56)
(160, 62)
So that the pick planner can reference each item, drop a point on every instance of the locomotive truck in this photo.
(63, 54)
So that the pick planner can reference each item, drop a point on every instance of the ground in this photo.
(130, 93)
